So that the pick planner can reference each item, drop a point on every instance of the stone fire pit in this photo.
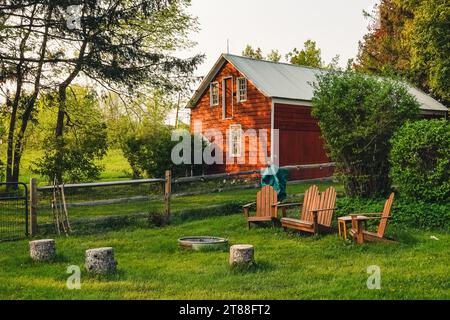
(203, 243)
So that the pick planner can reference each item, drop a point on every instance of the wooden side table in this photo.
(342, 223)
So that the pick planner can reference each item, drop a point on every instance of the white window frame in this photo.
(211, 94)
(238, 89)
(234, 128)
(224, 93)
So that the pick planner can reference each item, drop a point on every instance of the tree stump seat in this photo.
(42, 250)
(100, 260)
(241, 255)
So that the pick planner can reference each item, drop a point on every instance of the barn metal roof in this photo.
(277, 80)
(287, 81)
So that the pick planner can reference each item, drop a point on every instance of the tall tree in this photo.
(128, 45)
(121, 45)
(309, 56)
(274, 56)
(410, 38)
(23, 29)
(383, 50)
(253, 53)
(430, 63)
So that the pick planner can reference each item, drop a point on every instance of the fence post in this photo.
(167, 193)
(33, 207)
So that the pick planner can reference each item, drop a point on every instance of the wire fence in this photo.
(13, 211)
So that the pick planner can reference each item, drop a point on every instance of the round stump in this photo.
(241, 255)
(100, 260)
(42, 250)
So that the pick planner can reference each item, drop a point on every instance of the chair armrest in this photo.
(366, 214)
(284, 206)
(248, 205)
(378, 218)
(276, 204)
(288, 205)
(318, 210)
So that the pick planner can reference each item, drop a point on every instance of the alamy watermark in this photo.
(374, 280)
(74, 280)
(73, 17)
(236, 146)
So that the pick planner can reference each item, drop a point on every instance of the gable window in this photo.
(235, 143)
(214, 94)
(242, 89)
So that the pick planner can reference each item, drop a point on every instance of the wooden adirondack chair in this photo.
(358, 232)
(317, 211)
(323, 216)
(266, 207)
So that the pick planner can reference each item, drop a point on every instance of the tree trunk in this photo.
(12, 128)
(18, 148)
(15, 103)
(59, 129)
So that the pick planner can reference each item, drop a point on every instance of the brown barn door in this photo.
(300, 141)
(227, 98)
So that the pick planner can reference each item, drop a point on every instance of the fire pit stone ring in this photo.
(203, 243)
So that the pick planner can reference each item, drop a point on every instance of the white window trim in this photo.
(230, 143)
(211, 94)
(239, 90)
(224, 92)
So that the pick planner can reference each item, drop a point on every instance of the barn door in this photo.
(300, 141)
(227, 98)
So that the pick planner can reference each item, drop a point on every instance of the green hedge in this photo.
(405, 212)
(420, 160)
(358, 114)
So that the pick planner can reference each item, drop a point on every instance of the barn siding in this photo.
(255, 113)
(300, 140)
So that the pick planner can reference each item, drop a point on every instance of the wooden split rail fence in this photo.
(168, 180)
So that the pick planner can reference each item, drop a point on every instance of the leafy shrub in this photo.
(420, 160)
(73, 156)
(405, 212)
(148, 150)
(358, 114)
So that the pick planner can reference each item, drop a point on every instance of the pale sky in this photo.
(336, 26)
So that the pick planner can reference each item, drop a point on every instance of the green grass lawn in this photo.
(289, 266)
(151, 266)
(115, 166)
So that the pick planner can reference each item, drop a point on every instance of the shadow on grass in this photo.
(205, 212)
(206, 249)
(403, 236)
(256, 267)
(118, 275)
(59, 258)
(140, 220)
(294, 234)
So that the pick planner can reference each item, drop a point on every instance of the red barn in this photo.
(241, 93)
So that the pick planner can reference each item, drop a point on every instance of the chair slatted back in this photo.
(385, 215)
(265, 198)
(310, 202)
(327, 201)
